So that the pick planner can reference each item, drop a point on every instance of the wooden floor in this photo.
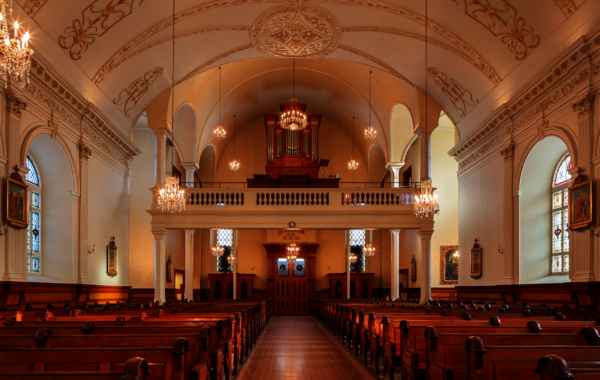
(299, 348)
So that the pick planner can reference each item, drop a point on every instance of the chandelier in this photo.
(426, 203)
(353, 164)
(370, 132)
(292, 252)
(219, 132)
(171, 198)
(15, 50)
(217, 250)
(293, 117)
(353, 258)
(235, 164)
(369, 250)
(231, 259)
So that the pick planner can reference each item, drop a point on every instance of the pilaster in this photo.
(508, 275)
(189, 264)
(15, 266)
(425, 235)
(75, 250)
(581, 268)
(395, 252)
(85, 152)
(160, 235)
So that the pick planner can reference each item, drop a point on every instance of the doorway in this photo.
(179, 284)
(291, 293)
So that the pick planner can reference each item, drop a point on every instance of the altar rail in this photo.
(330, 199)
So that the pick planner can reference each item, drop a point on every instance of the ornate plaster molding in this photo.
(585, 106)
(294, 31)
(377, 61)
(501, 19)
(131, 94)
(508, 152)
(14, 104)
(117, 60)
(457, 94)
(31, 7)
(486, 70)
(93, 24)
(203, 66)
(568, 7)
(371, 4)
(85, 151)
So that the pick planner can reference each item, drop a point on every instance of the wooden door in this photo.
(291, 293)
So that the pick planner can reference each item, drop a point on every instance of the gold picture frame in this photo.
(112, 258)
(476, 261)
(580, 204)
(448, 265)
(17, 201)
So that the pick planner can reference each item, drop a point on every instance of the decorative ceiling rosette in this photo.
(305, 32)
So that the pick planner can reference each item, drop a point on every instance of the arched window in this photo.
(357, 241)
(224, 239)
(560, 216)
(34, 229)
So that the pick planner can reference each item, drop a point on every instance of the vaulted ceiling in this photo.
(118, 53)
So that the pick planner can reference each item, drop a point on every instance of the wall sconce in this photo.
(93, 249)
(501, 249)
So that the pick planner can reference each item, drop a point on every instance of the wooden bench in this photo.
(552, 367)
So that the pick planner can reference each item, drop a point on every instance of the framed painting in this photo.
(580, 205)
(112, 253)
(476, 261)
(449, 265)
(17, 203)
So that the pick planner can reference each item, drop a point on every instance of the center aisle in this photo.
(298, 348)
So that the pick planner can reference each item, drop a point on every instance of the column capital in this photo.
(585, 106)
(160, 233)
(425, 234)
(189, 232)
(422, 128)
(394, 165)
(508, 152)
(160, 130)
(190, 165)
(85, 152)
(14, 104)
(395, 232)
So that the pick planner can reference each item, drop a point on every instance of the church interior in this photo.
(271, 189)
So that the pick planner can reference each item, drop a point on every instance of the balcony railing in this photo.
(298, 185)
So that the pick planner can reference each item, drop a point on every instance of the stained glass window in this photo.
(357, 237)
(32, 176)
(28, 264)
(35, 264)
(357, 243)
(560, 216)
(224, 239)
(562, 175)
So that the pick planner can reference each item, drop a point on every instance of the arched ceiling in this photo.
(118, 53)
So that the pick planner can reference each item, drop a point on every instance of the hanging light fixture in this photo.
(353, 258)
(170, 197)
(15, 50)
(293, 117)
(369, 250)
(231, 259)
(292, 253)
(219, 132)
(370, 132)
(353, 164)
(426, 203)
(217, 250)
(235, 164)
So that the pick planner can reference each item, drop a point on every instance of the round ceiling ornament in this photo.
(305, 32)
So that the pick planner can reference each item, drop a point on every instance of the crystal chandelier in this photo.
(292, 253)
(369, 250)
(235, 164)
(426, 203)
(293, 117)
(353, 164)
(219, 132)
(171, 198)
(370, 132)
(353, 258)
(15, 50)
(217, 250)
(231, 259)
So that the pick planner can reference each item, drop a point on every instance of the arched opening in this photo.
(184, 130)
(536, 212)
(244, 290)
(338, 290)
(56, 235)
(402, 131)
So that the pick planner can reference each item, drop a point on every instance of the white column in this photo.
(394, 168)
(234, 265)
(189, 264)
(425, 236)
(581, 266)
(190, 169)
(159, 264)
(160, 162)
(15, 266)
(424, 132)
(395, 251)
(347, 245)
(85, 152)
(508, 276)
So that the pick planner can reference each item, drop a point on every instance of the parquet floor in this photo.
(299, 348)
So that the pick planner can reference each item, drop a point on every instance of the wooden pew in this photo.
(552, 367)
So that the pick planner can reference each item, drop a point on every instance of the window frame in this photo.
(37, 188)
(563, 209)
(362, 257)
(228, 251)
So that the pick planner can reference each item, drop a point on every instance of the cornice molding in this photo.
(558, 81)
(49, 87)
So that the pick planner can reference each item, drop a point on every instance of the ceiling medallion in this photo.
(296, 32)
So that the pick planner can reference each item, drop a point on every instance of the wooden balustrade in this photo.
(292, 198)
(219, 198)
(377, 198)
